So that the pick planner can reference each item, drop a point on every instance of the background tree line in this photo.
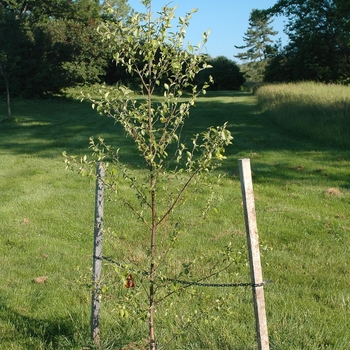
(318, 47)
(46, 45)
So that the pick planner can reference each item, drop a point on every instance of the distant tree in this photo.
(258, 46)
(225, 72)
(121, 9)
(280, 69)
(41, 10)
(63, 46)
(74, 50)
(319, 41)
(13, 44)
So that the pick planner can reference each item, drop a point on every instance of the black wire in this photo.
(189, 282)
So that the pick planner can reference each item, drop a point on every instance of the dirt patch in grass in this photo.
(333, 191)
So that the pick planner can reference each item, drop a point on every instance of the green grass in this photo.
(302, 195)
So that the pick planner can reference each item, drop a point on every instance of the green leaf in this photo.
(176, 65)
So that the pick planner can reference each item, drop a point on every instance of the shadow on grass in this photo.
(29, 332)
(47, 128)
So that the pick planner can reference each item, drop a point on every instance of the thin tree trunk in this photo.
(152, 344)
(152, 169)
(9, 114)
(153, 252)
(8, 99)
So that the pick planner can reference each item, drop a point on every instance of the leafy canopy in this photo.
(148, 49)
(319, 47)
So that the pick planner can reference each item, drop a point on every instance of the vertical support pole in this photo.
(97, 256)
(254, 253)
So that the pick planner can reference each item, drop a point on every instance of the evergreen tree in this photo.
(258, 45)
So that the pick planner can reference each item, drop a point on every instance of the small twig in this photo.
(137, 213)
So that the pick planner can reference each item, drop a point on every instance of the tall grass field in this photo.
(302, 197)
(310, 109)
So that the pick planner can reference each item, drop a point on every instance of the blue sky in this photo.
(226, 19)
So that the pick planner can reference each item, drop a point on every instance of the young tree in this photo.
(258, 45)
(147, 48)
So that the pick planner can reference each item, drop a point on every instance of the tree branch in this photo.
(178, 196)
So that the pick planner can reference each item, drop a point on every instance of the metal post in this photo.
(254, 253)
(97, 256)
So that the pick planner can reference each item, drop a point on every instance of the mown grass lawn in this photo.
(303, 211)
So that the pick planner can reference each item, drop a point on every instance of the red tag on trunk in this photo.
(129, 282)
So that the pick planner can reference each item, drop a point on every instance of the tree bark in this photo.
(8, 98)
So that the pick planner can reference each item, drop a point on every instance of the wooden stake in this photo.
(97, 256)
(254, 253)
